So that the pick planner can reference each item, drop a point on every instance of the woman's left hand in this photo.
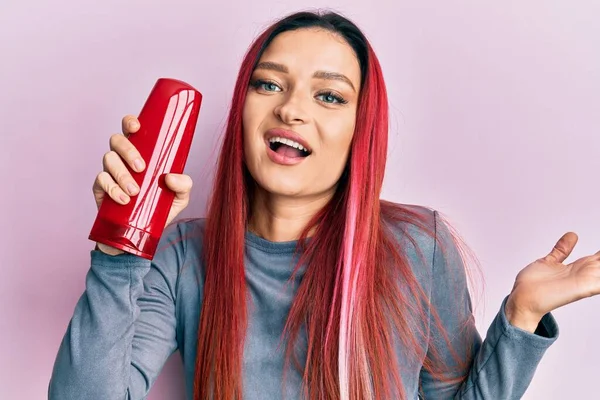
(547, 284)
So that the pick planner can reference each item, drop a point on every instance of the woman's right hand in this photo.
(116, 181)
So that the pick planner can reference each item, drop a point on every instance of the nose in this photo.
(292, 111)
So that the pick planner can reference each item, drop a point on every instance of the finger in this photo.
(113, 164)
(105, 184)
(123, 147)
(563, 247)
(129, 124)
(180, 184)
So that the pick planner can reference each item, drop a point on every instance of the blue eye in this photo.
(270, 86)
(327, 97)
(332, 98)
(267, 86)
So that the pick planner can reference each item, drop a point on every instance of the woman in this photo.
(301, 282)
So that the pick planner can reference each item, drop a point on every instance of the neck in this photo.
(280, 218)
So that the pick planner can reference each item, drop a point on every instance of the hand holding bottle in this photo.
(116, 181)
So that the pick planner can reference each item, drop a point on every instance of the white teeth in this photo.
(288, 142)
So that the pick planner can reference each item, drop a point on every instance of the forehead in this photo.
(307, 50)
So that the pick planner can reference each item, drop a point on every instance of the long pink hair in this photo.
(354, 265)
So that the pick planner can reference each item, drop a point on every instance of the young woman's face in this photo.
(300, 111)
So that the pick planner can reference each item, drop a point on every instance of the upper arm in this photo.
(123, 327)
(453, 339)
(154, 338)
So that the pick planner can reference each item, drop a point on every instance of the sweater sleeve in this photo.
(123, 327)
(500, 367)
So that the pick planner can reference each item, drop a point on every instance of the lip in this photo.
(281, 159)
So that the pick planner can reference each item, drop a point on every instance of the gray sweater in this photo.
(134, 313)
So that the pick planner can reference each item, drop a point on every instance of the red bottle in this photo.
(167, 124)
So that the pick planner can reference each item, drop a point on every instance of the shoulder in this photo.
(425, 236)
(190, 231)
(411, 226)
(436, 251)
(418, 225)
(180, 245)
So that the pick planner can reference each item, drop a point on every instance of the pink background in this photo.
(494, 122)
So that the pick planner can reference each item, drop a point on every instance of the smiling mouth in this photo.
(288, 148)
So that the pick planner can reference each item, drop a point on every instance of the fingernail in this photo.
(132, 124)
(123, 198)
(131, 188)
(139, 164)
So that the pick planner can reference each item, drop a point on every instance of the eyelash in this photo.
(257, 83)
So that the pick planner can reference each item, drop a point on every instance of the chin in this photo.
(282, 188)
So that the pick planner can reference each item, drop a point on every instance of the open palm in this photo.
(547, 283)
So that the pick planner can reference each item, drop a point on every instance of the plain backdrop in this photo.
(494, 122)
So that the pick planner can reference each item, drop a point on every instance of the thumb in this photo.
(180, 184)
(563, 248)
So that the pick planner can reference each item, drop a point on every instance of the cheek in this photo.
(340, 137)
(254, 114)
(349, 135)
(246, 118)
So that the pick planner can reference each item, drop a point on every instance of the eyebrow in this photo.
(327, 75)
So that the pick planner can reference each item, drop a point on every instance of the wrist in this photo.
(112, 251)
(526, 321)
